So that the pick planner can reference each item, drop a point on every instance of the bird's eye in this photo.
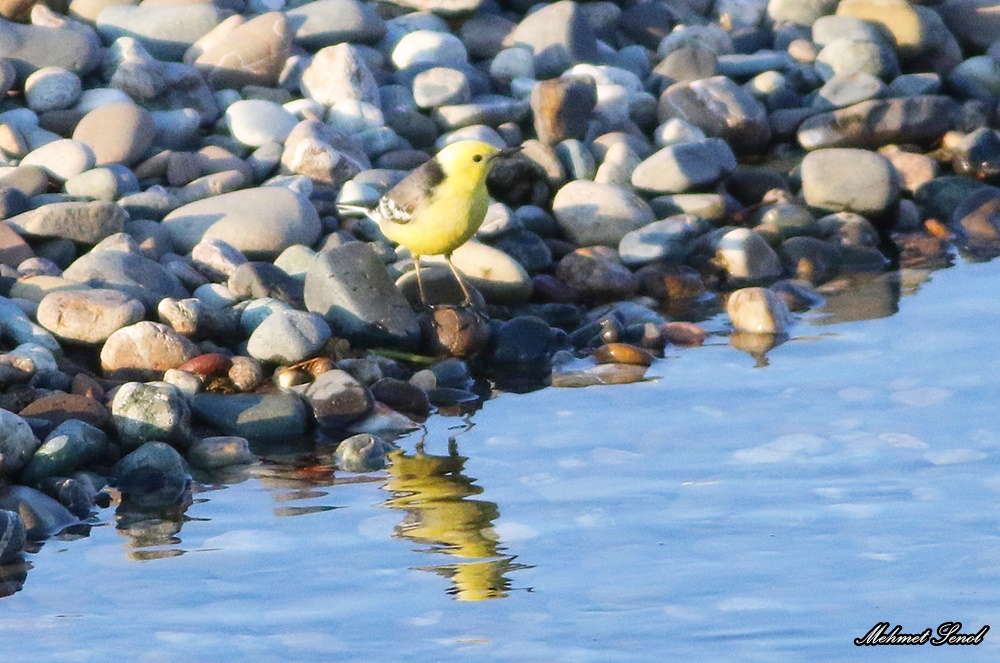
(477, 158)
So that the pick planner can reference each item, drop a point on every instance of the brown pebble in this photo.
(59, 407)
(623, 353)
(671, 282)
(206, 365)
(684, 334)
(455, 332)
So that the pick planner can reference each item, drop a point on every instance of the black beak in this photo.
(507, 152)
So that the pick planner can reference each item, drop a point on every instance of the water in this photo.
(731, 508)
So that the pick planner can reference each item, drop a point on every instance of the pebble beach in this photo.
(179, 284)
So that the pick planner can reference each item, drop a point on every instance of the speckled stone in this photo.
(88, 316)
(144, 350)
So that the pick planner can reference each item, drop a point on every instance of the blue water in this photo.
(730, 508)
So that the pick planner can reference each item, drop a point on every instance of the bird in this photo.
(440, 205)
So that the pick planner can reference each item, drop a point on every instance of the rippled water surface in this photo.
(731, 508)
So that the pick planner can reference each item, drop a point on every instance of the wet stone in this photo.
(338, 400)
(362, 453)
(212, 453)
(401, 395)
(758, 311)
(154, 475)
(253, 416)
(41, 515)
(748, 257)
(150, 412)
(17, 443)
(12, 537)
(73, 445)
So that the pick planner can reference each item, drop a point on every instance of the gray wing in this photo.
(400, 204)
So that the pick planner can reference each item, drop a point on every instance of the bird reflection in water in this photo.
(434, 493)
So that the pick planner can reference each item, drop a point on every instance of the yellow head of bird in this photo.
(472, 158)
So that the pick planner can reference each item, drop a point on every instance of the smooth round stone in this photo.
(216, 259)
(977, 155)
(685, 166)
(105, 184)
(592, 214)
(51, 88)
(88, 316)
(758, 311)
(260, 223)
(251, 53)
(847, 89)
(484, 34)
(440, 86)
(58, 407)
(560, 36)
(668, 240)
(254, 313)
(620, 161)
(295, 261)
(259, 417)
(491, 110)
(497, 276)
(720, 108)
(562, 108)
(910, 33)
(153, 476)
(512, 63)
(17, 443)
(917, 120)
(362, 453)
(258, 279)
(351, 287)
(339, 400)
(429, 47)
(748, 257)
(150, 413)
(85, 222)
(801, 12)
(33, 47)
(976, 77)
(13, 249)
(843, 56)
(176, 129)
(708, 206)
(255, 122)
(324, 154)
(212, 453)
(339, 72)
(118, 133)
(13, 536)
(849, 180)
(527, 248)
(324, 22)
(787, 219)
(974, 22)
(522, 349)
(811, 259)
(102, 96)
(61, 159)
(577, 160)
(166, 31)
(42, 515)
(597, 273)
(288, 337)
(130, 273)
(143, 351)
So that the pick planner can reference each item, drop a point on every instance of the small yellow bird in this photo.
(440, 205)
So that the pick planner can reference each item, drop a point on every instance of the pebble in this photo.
(88, 316)
(362, 453)
(871, 124)
(256, 417)
(497, 276)
(593, 214)
(260, 222)
(143, 351)
(597, 273)
(323, 22)
(669, 240)
(83, 222)
(130, 273)
(237, 53)
(150, 413)
(12, 537)
(51, 88)
(32, 47)
(854, 180)
(338, 400)
(758, 311)
(684, 166)
(166, 30)
(41, 515)
(559, 35)
(117, 133)
(255, 122)
(212, 453)
(351, 288)
(748, 257)
(153, 476)
(339, 72)
(61, 159)
(17, 444)
(561, 107)
(288, 337)
(721, 109)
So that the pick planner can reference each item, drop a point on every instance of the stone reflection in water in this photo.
(756, 345)
(434, 494)
(860, 297)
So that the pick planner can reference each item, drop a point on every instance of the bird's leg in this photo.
(461, 281)
(420, 282)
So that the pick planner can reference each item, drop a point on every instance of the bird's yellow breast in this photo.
(448, 220)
